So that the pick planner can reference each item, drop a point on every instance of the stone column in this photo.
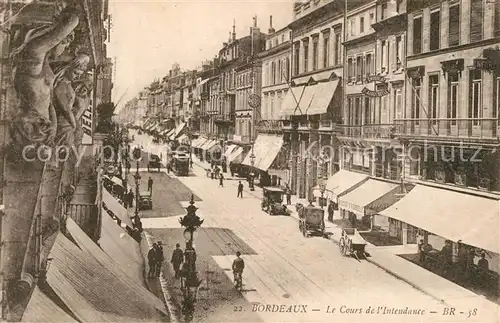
(310, 63)
(320, 51)
(444, 24)
(409, 43)
(301, 56)
(426, 21)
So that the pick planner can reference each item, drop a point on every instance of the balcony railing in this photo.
(457, 128)
(379, 131)
(308, 125)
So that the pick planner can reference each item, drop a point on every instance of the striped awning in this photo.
(114, 206)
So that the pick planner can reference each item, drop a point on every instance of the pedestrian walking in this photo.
(212, 174)
(221, 180)
(177, 259)
(288, 196)
(130, 198)
(150, 184)
(232, 171)
(152, 261)
(330, 211)
(240, 190)
(158, 258)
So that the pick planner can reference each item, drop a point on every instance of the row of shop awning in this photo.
(94, 283)
(456, 216)
(118, 210)
(453, 215)
(310, 99)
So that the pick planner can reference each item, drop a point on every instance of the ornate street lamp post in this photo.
(322, 189)
(191, 222)
(252, 162)
(137, 177)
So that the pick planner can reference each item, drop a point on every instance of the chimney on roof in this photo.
(271, 29)
(255, 21)
(234, 29)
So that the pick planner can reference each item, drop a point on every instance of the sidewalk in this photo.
(419, 278)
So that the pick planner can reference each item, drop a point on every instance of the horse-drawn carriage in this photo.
(272, 201)
(311, 220)
(352, 243)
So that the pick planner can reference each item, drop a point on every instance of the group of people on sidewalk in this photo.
(155, 259)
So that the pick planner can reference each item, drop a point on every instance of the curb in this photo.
(391, 272)
(164, 289)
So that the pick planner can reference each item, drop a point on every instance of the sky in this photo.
(147, 37)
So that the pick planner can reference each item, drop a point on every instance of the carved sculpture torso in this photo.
(34, 79)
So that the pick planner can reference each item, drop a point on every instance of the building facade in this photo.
(314, 104)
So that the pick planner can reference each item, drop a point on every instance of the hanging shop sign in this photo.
(375, 78)
(375, 94)
(485, 64)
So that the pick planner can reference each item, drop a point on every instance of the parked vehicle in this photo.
(311, 220)
(272, 201)
(352, 243)
(145, 201)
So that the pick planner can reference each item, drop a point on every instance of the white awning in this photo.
(265, 149)
(93, 292)
(200, 142)
(452, 215)
(289, 104)
(209, 145)
(178, 130)
(364, 200)
(313, 99)
(42, 309)
(229, 150)
(117, 181)
(236, 156)
(204, 81)
(118, 210)
(342, 181)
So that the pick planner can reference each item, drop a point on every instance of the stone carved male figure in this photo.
(34, 80)
(66, 102)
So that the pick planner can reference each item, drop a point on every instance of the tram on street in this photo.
(180, 163)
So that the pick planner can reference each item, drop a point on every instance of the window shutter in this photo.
(497, 18)
(454, 26)
(476, 20)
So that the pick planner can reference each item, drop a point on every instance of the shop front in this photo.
(264, 153)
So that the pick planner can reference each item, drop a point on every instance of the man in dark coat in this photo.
(221, 180)
(240, 190)
(177, 259)
(130, 198)
(159, 257)
(150, 184)
(152, 261)
(330, 211)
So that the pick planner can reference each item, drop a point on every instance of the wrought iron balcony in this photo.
(465, 128)
(376, 131)
(224, 118)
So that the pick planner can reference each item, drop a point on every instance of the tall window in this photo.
(338, 47)
(383, 11)
(353, 27)
(399, 52)
(326, 49)
(496, 106)
(454, 25)
(475, 102)
(383, 56)
(435, 30)
(357, 111)
(279, 77)
(433, 97)
(372, 18)
(452, 97)
(476, 20)
(296, 59)
(306, 54)
(359, 68)
(398, 103)
(417, 35)
(361, 25)
(350, 70)
(398, 5)
(367, 110)
(315, 54)
(287, 69)
(369, 64)
(349, 112)
(415, 101)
